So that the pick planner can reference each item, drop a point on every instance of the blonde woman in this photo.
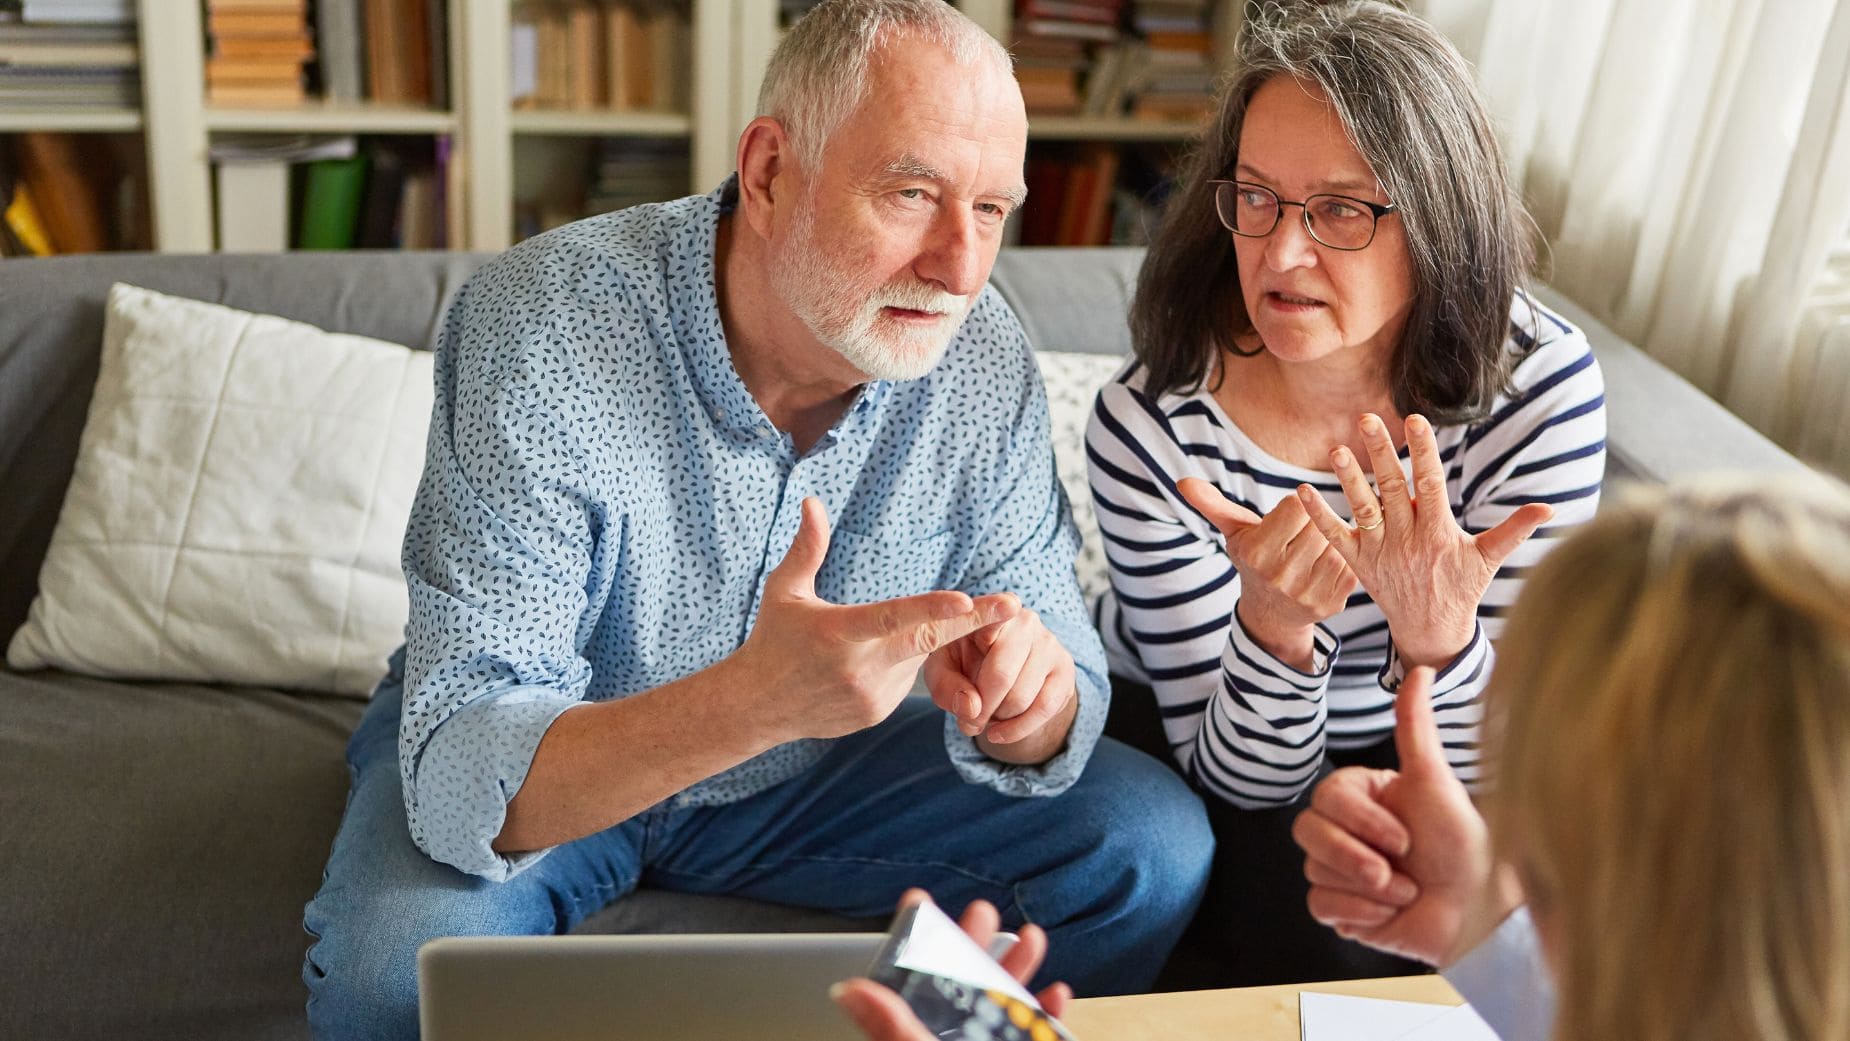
(1669, 736)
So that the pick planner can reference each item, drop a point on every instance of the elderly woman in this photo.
(1684, 846)
(1345, 422)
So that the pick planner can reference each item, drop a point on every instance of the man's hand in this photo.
(884, 1016)
(1290, 578)
(1401, 860)
(830, 670)
(1006, 683)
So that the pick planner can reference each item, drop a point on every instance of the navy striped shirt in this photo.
(1242, 723)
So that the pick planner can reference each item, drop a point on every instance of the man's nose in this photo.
(954, 253)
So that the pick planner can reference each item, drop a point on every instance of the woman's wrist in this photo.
(1296, 646)
(1434, 651)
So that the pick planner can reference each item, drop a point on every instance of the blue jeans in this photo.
(1113, 868)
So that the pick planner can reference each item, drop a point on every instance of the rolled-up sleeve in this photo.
(1028, 548)
(496, 558)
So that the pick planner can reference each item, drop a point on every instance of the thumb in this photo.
(880, 1014)
(1230, 518)
(1498, 543)
(797, 572)
(1416, 732)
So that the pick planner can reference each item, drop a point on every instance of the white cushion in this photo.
(239, 500)
(1073, 381)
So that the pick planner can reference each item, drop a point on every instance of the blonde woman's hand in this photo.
(1290, 577)
(1426, 573)
(1400, 859)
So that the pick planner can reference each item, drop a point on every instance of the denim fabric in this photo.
(1112, 868)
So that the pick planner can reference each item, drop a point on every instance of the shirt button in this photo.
(719, 415)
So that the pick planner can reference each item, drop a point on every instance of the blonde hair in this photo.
(1670, 731)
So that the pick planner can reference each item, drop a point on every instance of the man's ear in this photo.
(766, 166)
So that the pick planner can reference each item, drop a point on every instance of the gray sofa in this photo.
(161, 838)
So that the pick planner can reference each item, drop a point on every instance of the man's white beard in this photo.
(845, 314)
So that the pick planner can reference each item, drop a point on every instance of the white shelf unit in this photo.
(72, 120)
(731, 45)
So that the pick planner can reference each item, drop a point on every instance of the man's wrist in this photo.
(1041, 745)
(735, 683)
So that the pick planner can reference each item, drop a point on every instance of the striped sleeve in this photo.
(1242, 724)
(1545, 442)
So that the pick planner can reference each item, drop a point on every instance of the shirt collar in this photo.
(694, 304)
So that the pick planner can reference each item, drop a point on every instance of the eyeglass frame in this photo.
(1377, 210)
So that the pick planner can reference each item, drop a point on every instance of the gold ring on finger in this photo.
(1370, 527)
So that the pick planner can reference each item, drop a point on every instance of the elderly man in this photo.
(709, 483)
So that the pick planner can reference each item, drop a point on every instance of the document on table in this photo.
(1338, 1017)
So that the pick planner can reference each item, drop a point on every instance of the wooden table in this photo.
(1245, 1014)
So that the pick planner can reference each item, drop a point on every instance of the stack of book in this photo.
(601, 54)
(68, 54)
(1070, 196)
(329, 193)
(1055, 42)
(259, 51)
(631, 172)
(90, 12)
(1176, 80)
(391, 52)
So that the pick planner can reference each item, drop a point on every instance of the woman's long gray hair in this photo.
(1408, 102)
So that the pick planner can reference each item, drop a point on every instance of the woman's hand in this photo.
(1290, 577)
(883, 1016)
(1425, 572)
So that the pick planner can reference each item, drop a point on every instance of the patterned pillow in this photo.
(1072, 382)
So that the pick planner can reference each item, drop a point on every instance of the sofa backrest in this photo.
(51, 323)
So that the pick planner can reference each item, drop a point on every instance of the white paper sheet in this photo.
(1338, 1017)
(1456, 1024)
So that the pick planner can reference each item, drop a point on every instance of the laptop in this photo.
(754, 987)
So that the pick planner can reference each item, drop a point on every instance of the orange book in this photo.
(284, 24)
(296, 7)
(585, 41)
(631, 56)
(398, 52)
(257, 95)
(224, 70)
(299, 48)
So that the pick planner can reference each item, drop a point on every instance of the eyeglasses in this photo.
(1337, 221)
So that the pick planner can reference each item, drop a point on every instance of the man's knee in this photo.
(1149, 824)
(361, 970)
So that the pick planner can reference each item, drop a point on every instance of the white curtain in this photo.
(1689, 163)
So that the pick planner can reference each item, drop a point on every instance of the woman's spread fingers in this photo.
(1230, 517)
(1363, 506)
(1431, 504)
(1334, 531)
(1390, 482)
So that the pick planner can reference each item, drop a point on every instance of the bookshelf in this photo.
(490, 141)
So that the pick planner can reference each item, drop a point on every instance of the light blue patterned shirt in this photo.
(603, 499)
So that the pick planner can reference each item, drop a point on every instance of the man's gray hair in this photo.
(1409, 104)
(818, 75)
